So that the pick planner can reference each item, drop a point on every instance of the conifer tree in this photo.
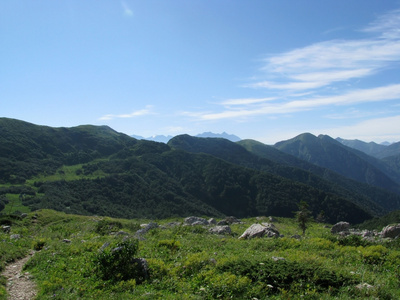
(303, 216)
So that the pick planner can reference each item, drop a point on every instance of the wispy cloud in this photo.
(377, 129)
(323, 74)
(388, 25)
(244, 101)
(127, 11)
(137, 113)
(391, 92)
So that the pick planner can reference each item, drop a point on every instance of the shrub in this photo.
(118, 263)
(105, 226)
(353, 240)
(374, 254)
(222, 286)
(38, 244)
(284, 275)
(170, 244)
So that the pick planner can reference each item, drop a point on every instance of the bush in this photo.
(104, 227)
(38, 244)
(119, 263)
(286, 275)
(169, 244)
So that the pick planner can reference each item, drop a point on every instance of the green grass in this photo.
(67, 173)
(15, 205)
(190, 263)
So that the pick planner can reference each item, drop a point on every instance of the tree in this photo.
(303, 216)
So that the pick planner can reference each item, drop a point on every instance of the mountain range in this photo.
(95, 170)
(165, 139)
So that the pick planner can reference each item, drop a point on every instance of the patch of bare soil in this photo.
(20, 286)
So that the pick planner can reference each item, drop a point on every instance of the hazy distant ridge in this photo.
(165, 139)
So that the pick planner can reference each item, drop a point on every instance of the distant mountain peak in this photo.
(224, 135)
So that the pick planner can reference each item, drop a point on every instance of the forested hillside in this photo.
(94, 170)
(331, 154)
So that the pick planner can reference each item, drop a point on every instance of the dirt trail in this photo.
(19, 285)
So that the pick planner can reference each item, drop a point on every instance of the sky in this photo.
(263, 69)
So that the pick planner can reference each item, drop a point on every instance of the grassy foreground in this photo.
(188, 262)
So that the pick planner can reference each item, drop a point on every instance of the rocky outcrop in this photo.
(260, 230)
(340, 227)
(146, 228)
(223, 229)
(229, 220)
(391, 231)
(195, 221)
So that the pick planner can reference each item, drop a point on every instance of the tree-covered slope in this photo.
(120, 176)
(267, 159)
(362, 193)
(328, 153)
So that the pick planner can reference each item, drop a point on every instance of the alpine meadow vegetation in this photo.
(92, 257)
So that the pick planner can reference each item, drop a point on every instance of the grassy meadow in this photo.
(188, 262)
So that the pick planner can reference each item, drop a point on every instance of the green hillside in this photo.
(329, 153)
(93, 170)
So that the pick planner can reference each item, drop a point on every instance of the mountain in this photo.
(94, 170)
(331, 154)
(257, 156)
(224, 135)
(165, 139)
(155, 138)
(373, 149)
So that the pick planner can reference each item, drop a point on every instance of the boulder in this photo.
(224, 229)
(391, 231)
(6, 228)
(212, 221)
(195, 221)
(229, 220)
(147, 228)
(340, 227)
(15, 236)
(260, 230)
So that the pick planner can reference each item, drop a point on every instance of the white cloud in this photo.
(378, 130)
(306, 78)
(388, 25)
(386, 93)
(324, 63)
(138, 113)
(244, 101)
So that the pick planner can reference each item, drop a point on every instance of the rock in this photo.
(277, 258)
(195, 221)
(105, 245)
(233, 220)
(147, 228)
(229, 221)
(212, 221)
(340, 227)
(15, 236)
(66, 241)
(6, 228)
(23, 216)
(142, 268)
(173, 224)
(391, 231)
(363, 286)
(260, 230)
(367, 233)
(122, 233)
(223, 229)
(272, 219)
(296, 236)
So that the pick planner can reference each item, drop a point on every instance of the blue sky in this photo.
(261, 69)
